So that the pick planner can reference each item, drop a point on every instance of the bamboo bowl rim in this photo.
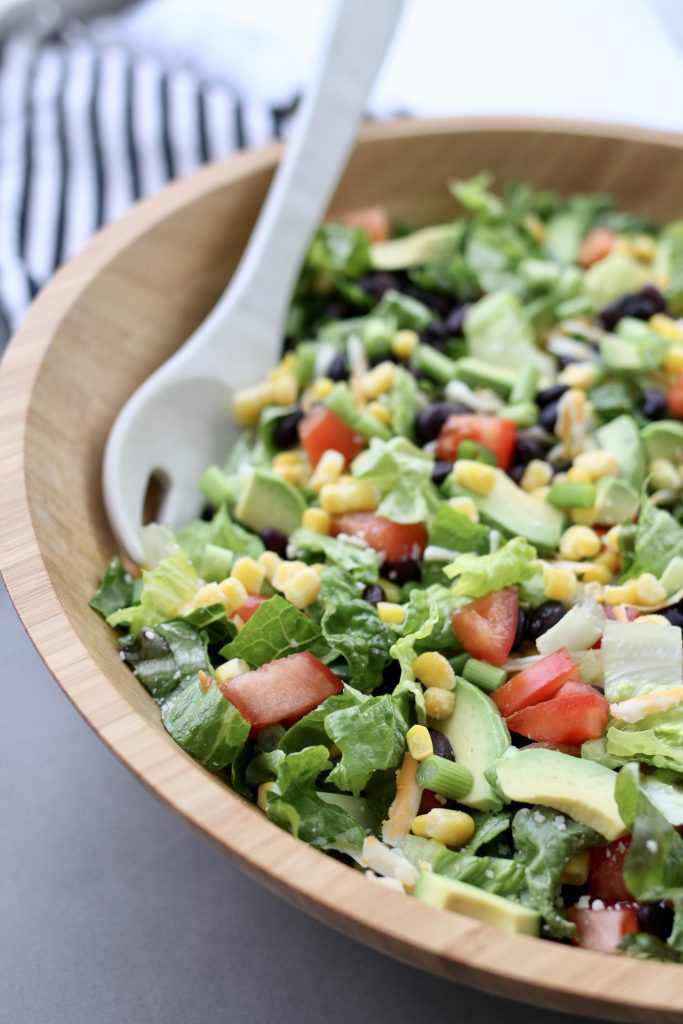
(448, 944)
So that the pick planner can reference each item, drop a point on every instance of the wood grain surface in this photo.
(98, 329)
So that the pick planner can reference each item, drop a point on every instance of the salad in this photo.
(430, 621)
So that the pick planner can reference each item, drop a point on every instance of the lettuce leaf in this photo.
(455, 532)
(310, 730)
(404, 401)
(498, 331)
(639, 658)
(371, 737)
(357, 559)
(418, 625)
(477, 575)
(275, 630)
(338, 249)
(352, 628)
(492, 874)
(294, 804)
(432, 606)
(488, 825)
(403, 473)
(207, 725)
(656, 740)
(652, 544)
(172, 583)
(220, 532)
(117, 589)
(165, 656)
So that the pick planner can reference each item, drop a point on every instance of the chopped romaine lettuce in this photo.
(403, 473)
(455, 532)
(165, 589)
(498, 332)
(652, 543)
(492, 874)
(353, 557)
(117, 590)
(165, 656)
(207, 725)
(638, 658)
(371, 737)
(353, 630)
(275, 630)
(477, 575)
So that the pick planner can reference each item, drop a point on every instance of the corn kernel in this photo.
(262, 797)
(297, 476)
(303, 587)
(294, 458)
(270, 561)
(623, 594)
(597, 574)
(453, 828)
(576, 475)
(418, 826)
(536, 474)
(349, 496)
(666, 327)
(248, 403)
(584, 516)
(320, 389)
(419, 742)
(611, 540)
(210, 593)
(380, 412)
(663, 474)
(610, 559)
(577, 868)
(432, 669)
(284, 390)
(479, 477)
(644, 248)
(649, 590)
(673, 359)
(230, 669)
(378, 380)
(250, 573)
(234, 593)
(392, 591)
(317, 520)
(466, 507)
(404, 343)
(390, 613)
(598, 463)
(318, 567)
(579, 542)
(579, 375)
(283, 572)
(330, 467)
(560, 584)
(439, 704)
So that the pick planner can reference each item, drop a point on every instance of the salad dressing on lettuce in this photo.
(430, 620)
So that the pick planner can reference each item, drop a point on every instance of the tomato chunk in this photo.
(606, 879)
(373, 220)
(486, 627)
(322, 429)
(603, 929)
(575, 714)
(393, 540)
(495, 433)
(539, 682)
(251, 605)
(281, 691)
(596, 245)
(674, 399)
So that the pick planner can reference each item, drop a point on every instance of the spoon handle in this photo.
(253, 307)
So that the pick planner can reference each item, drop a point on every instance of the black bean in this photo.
(378, 283)
(338, 311)
(441, 471)
(442, 745)
(541, 619)
(528, 448)
(520, 632)
(373, 593)
(641, 305)
(275, 540)
(455, 322)
(402, 570)
(338, 368)
(656, 918)
(391, 677)
(653, 404)
(439, 302)
(429, 421)
(417, 374)
(343, 858)
(434, 332)
(286, 433)
(549, 396)
(548, 417)
(674, 614)
(207, 513)
(516, 472)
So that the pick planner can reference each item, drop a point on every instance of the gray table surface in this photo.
(112, 911)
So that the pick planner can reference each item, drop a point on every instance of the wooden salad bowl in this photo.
(97, 330)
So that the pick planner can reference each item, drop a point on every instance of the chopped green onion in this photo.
(570, 495)
(436, 365)
(522, 414)
(458, 662)
(444, 777)
(486, 677)
(476, 452)
(478, 374)
(217, 487)
(526, 385)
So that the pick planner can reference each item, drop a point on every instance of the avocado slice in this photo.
(478, 736)
(268, 501)
(580, 788)
(447, 894)
(621, 436)
(663, 439)
(615, 501)
(515, 512)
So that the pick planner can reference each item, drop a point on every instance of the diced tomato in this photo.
(596, 245)
(603, 930)
(674, 399)
(393, 540)
(575, 714)
(606, 879)
(430, 802)
(281, 691)
(622, 612)
(486, 627)
(251, 605)
(495, 433)
(322, 429)
(536, 683)
(573, 749)
(373, 220)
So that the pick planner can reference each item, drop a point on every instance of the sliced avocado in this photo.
(268, 501)
(478, 736)
(447, 894)
(613, 276)
(615, 501)
(580, 788)
(663, 439)
(622, 437)
(515, 512)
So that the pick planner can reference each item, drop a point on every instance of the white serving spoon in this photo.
(179, 422)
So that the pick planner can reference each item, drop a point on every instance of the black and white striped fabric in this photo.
(86, 131)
